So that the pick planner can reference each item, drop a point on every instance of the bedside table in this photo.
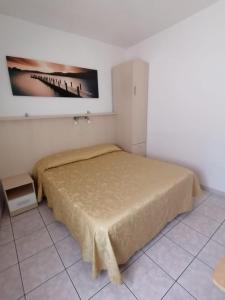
(19, 193)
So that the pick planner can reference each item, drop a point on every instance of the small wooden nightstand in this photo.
(19, 193)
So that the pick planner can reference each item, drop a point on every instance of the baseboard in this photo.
(212, 190)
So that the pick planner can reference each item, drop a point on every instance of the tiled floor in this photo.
(40, 260)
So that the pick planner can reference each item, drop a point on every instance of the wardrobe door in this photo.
(130, 96)
(122, 97)
(139, 102)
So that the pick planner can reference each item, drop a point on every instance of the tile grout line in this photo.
(209, 238)
(108, 283)
(122, 280)
(40, 252)
(154, 263)
(180, 221)
(207, 216)
(181, 246)
(21, 278)
(2, 271)
(210, 218)
(186, 290)
(51, 246)
(46, 225)
(194, 257)
(158, 265)
(60, 257)
(130, 290)
(71, 265)
(202, 261)
(10, 241)
(143, 252)
(181, 287)
(43, 248)
(163, 235)
(33, 289)
(174, 280)
(129, 264)
(132, 263)
(201, 232)
(35, 230)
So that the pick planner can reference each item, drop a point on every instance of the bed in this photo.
(113, 202)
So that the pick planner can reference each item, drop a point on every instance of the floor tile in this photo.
(187, 238)
(27, 225)
(33, 243)
(24, 215)
(59, 287)
(212, 253)
(201, 199)
(114, 292)
(8, 255)
(5, 220)
(201, 223)
(197, 279)
(10, 284)
(132, 259)
(146, 280)
(214, 212)
(81, 275)
(216, 201)
(152, 242)
(40, 267)
(46, 213)
(180, 217)
(178, 293)
(6, 234)
(69, 251)
(171, 258)
(58, 231)
(169, 226)
(44, 277)
(219, 236)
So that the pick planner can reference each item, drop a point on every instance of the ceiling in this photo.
(119, 22)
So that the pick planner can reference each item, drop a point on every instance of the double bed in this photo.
(113, 202)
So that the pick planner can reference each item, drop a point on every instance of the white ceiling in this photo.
(119, 22)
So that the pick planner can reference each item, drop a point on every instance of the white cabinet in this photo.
(130, 99)
(19, 193)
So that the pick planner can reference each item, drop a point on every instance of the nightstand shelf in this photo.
(19, 193)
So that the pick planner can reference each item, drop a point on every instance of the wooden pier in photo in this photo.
(62, 87)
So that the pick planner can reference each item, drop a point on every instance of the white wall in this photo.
(186, 117)
(23, 39)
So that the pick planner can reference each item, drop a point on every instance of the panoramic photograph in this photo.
(30, 77)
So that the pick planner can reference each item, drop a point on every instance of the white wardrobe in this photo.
(130, 99)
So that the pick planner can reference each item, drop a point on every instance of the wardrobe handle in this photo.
(135, 90)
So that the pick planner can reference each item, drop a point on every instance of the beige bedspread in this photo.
(113, 202)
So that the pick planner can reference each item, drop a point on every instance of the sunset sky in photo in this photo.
(41, 66)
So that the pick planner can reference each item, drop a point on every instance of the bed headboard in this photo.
(23, 142)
